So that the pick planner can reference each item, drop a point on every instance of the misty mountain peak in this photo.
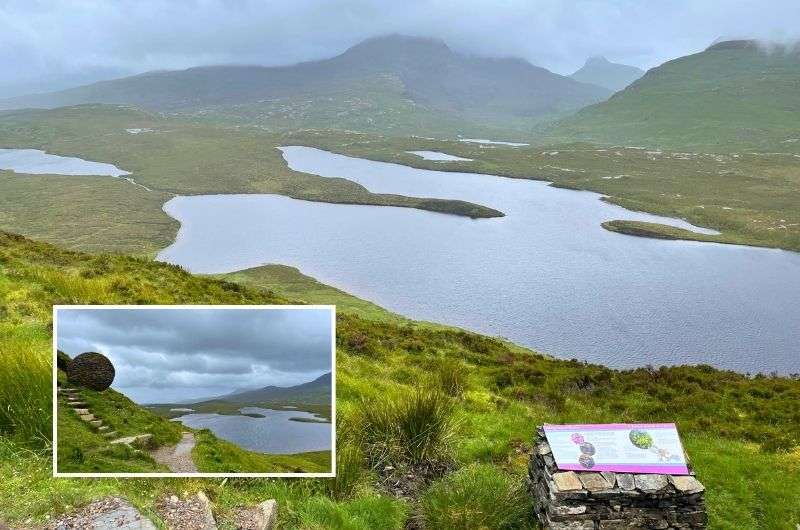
(601, 72)
(396, 45)
(597, 60)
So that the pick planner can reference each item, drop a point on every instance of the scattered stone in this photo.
(91, 370)
(192, 513)
(588, 500)
(104, 514)
(261, 517)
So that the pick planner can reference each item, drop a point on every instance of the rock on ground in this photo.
(261, 517)
(192, 513)
(105, 514)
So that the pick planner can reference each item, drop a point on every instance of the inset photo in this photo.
(194, 391)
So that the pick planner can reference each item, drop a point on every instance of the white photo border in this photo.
(331, 474)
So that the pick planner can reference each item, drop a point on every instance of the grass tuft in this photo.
(409, 429)
(475, 498)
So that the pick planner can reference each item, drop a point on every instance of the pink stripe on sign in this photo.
(607, 426)
(668, 469)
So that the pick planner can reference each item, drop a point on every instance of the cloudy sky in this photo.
(171, 355)
(58, 43)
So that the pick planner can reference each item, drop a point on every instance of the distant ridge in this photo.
(315, 392)
(382, 83)
(602, 72)
(734, 95)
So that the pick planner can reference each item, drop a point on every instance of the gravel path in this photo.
(178, 458)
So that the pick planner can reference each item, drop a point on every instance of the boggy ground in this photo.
(455, 410)
(750, 197)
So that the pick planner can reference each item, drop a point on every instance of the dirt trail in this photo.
(177, 458)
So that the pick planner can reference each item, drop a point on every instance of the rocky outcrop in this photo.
(91, 370)
(585, 500)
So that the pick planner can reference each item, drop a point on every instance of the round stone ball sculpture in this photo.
(91, 370)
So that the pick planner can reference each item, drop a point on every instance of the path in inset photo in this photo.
(177, 458)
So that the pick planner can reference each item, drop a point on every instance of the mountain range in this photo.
(385, 83)
(315, 392)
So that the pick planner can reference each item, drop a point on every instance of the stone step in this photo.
(87, 417)
(110, 434)
(137, 440)
(103, 428)
(97, 423)
(81, 412)
(77, 404)
(73, 397)
(63, 389)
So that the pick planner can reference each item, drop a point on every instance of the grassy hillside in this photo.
(214, 455)
(82, 448)
(475, 398)
(732, 97)
(394, 84)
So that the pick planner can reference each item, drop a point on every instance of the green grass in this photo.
(477, 497)
(83, 449)
(741, 433)
(25, 380)
(86, 213)
(407, 429)
(292, 284)
(214, 455)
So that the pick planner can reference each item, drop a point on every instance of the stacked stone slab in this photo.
(586, 500)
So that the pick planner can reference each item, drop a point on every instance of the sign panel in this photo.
(620, 447)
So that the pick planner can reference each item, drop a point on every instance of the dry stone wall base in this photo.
(585, 500)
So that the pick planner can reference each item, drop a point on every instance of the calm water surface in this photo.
(275, 433)
(546, 275)
(36, 162)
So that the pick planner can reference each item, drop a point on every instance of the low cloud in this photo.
(49, 44)
(164, 355)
